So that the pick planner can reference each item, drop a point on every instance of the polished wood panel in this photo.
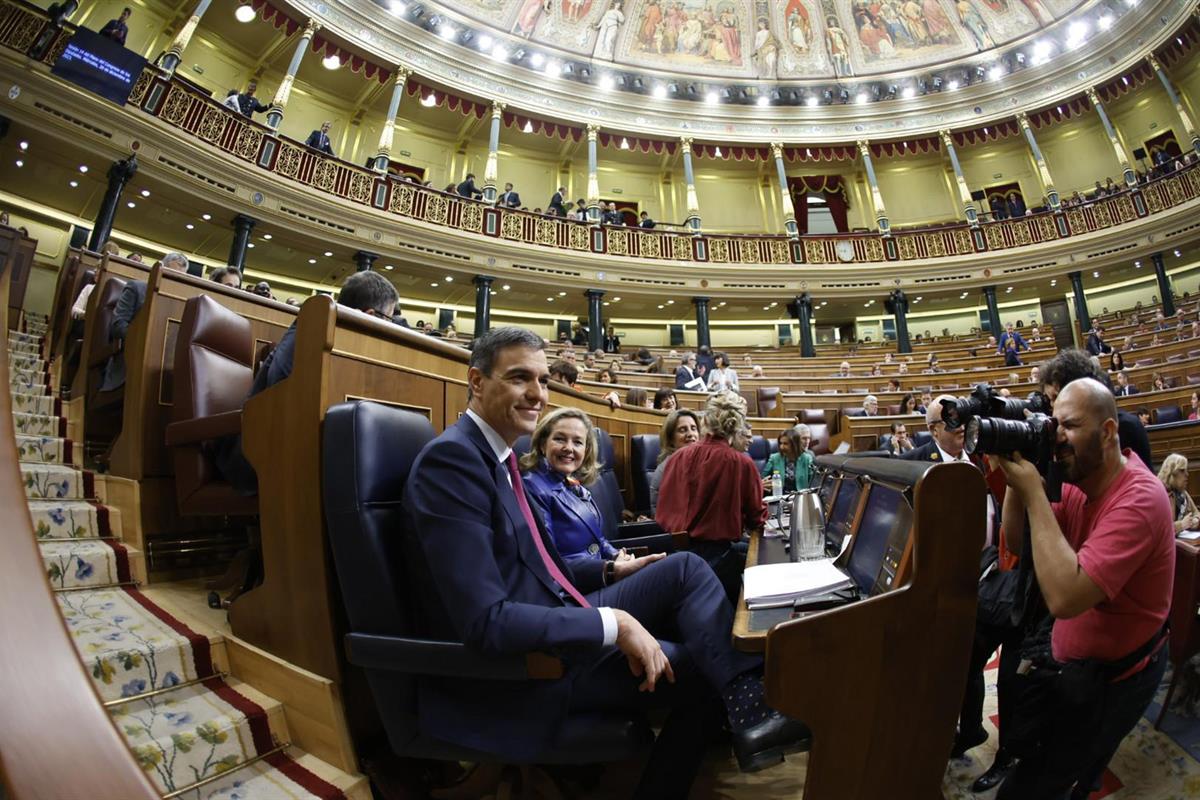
(109, 266)
(20, 265)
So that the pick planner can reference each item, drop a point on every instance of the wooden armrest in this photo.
(446, 659)
(202, 429)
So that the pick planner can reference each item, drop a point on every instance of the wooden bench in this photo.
(18, 252)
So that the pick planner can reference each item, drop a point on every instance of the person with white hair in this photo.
(870, 406)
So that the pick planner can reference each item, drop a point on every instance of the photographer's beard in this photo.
(1076, 465)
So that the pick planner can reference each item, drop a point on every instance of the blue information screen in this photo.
(99, 65)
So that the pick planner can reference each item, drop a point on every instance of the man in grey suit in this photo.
(133, 296)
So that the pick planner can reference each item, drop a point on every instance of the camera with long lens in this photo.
(985, 401)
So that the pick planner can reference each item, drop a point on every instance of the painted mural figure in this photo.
(766, 51)
(937, 22)
(839, 47)
(527, 19)
(975, 24)
(609, 26)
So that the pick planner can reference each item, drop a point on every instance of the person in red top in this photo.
(1104, 558)
(714, 492)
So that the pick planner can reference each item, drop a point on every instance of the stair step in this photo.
(55, 481)
(73, 563)
(41, 404)
(27, 383)
(46, 449)
(39, 424)
(70, 519)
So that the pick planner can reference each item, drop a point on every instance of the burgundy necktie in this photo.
(551, 566)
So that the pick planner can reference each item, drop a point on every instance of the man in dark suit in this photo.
(1124, 388)
(508, 198)
(487, 573)
(686, 376)
(116, 29)
(556, 206)
(1095, 342)
(319, 140)
(646, 221)
(247, 103)
(131, 300)
(467, 187)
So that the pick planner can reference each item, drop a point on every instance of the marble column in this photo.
(595, 319)
(702, 339)
(483, 304)
(993, 310)
(881, 217)
(1111, 132)
(1081, 309)
(899, 302)
(242, 227)
(964, 192)
(384, 153)
(174, 54)
(593, 178)
(1043, 170)
(785, 195)
(491, 170)
(119, 174)
(275, 112)
(1164, 285)
(1184, 117)
(689, 182)
(802, 308)
(363, 260)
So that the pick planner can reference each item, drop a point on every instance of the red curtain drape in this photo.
(801, 205)
(837, 209)
(830, 187)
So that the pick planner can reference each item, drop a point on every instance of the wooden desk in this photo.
(750, 627)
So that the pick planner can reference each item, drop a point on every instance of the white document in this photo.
(842, 448)
(1189, 536)
(772, 584)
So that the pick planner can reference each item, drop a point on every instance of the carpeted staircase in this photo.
(195, 732)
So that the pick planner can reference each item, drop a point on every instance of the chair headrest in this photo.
(218, 329)
(760, 449)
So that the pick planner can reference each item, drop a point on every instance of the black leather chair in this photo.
(1167, 414)
(369, 449)
(761, 449)
(644, 450)
(921, 437)
(102, 409)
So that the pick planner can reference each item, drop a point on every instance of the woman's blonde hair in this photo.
(589, 468)
(666, 436)
(725, 415)
(1170, 465)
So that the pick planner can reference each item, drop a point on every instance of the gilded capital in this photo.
(1154, 62)
(498, 108)
(1023, 120)
(592, 130)
(402, 74)
(947, 139)
(686, 143)
(864, 148)
(1092, 97)
(311, 27)
(777, 150)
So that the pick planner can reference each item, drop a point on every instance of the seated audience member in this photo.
(1104, 559)
(900, 443)
(1174, 476)
(637, 397)
(876, 371)
(645, 221)
(933, 367)
(564, 372)
(686, 375)
(722, 378)
(665, 400)
(116, 29)
(467, 188)
(1095, 342)
(1035, 374)
(79, 309)
(843, 370)
(508, 198)
(368, 292)
(747, 361)
(714, 492)
(946, 444)
(757, 372)
(643, 357)
(589, 360)
(1143, 415)
(870, 406)
(902, 369)
(319, 139)
(908, 405)
(1116, 361)
(614, 366)
(887, 357)
(1124, 388)
(1194, 410)
(263, 289)
(681, 428)
(129, 302)
(134, 256)
(792, 463)
(605, 376)
(470, 522)
(561, 463)
(227, 276)
(1158, 383)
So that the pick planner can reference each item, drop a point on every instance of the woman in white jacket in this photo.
(723, 377)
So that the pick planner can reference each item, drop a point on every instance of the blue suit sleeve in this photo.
(449, 497)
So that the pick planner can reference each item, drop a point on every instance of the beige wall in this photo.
(915, 189)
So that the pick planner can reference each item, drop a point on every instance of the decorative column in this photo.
(595, 319)
(689, 182)
(363, 260)
(483, 304)
(993, 310)
(1175, 101)
(491, 169)
(964, 192)
(1164, 285)
(1043, 170)
(384, 153)
(593, 179)
(242, 227)
(174, 54)
(119, 174)
(275, 112)
(899, 302)
(802, 309)
(881, 217)
(1126, 169)
(785, 197)
(1081, 310)
(702, 339)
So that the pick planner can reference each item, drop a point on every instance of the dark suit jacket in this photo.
(926, 452)
(1125, 391)
(478, 578)
(556, 203)
(250, 105)
(467, 189)
(132, 298)
(509, 199)
(1095, 345)
(319, 141)
(115, 30)
(684, 376)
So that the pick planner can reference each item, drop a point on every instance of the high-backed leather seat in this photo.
(214, 366)
(761, 449)
(1167, 414)
(369, 449)
(72, 345)
(102, 410)
(768, 400)
(820, 438)
(643, 452)
(811, 416)
(65, 292)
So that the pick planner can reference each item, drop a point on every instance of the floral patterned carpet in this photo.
(190, 729)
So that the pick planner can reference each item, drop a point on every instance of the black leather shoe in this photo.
(765, 744)
(995, 774)
(965, 741)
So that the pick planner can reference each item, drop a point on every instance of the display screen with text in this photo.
(99, 65)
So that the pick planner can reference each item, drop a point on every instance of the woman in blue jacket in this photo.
(560, 465)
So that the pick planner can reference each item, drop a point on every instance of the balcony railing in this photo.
(202, 118)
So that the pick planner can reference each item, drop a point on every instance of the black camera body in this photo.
(985, 401)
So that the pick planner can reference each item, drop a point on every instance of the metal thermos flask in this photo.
(807, 534)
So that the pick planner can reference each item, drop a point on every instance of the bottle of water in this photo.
(776, 483)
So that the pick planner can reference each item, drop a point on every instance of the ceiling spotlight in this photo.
(23, 145)
(1178, 254)
(389, 267)
(244, 13)
(812, 100)
(449, 279)
(397, 7)
(250, 245)
(528, 127)
(908, 92)
(312, 261)
(712, 98)
(145, 192)
(763, 101)
(20, 163)
(83, 168)
(562, 294)
(1077, 33)
(607, 83)
(330, 62)
(73, 184)
(1042, 50)
(433, 286)
(267, 236)
(131, 204)
(537, 59)
(660, 305)
(429, 100)
(553, 69)
(1105, 22)
(206, 217)
(617, 299)
(549, 299)
(500, 52)
(328, 253)
(1020, 59)
(952, 85)
(996, 73)
(659, 92)
(624, 143)
(860, 98)
(190, 226)
(506, 287)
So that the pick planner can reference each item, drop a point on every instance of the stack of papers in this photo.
(773, 585)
